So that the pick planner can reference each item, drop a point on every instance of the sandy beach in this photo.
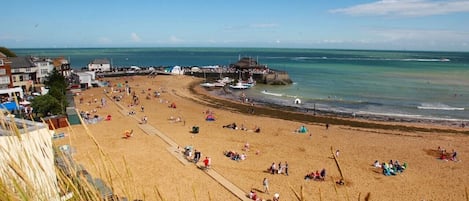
(142, 167)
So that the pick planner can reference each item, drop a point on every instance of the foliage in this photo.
(56, 80)
(46, 104)
(57, 87)
(7, 52)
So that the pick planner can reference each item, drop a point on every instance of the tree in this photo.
(7, 52)
(57, 87)
(46, 104)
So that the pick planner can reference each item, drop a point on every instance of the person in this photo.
(286, 168)
(453, 157)
(206, 163)
(337, 153)
(272, 168)
(252, 195)
(144, 119)
(265, 183)
(279, 170)
(340, 182)
(142, 108)
(246, 146)
(327, 126)
(197, 155)
(276, 197)
(322, 174)
(377, 164)
(128, 133)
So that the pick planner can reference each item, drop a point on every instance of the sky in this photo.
(431, 25)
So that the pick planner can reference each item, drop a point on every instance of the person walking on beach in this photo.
(265, 183)
(142, 108)
(286, 168)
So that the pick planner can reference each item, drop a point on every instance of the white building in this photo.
(27, 158)
(84, 79)
(44, 67)
(100, 65)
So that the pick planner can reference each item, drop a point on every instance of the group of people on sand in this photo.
(392, 168)
(444, 155)
(233, 155)
(316, 176)
(195, 156)
(278, 169)
(253, 196)
(234, 126)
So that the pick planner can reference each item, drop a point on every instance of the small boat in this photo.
(270, 93)
(207, 84)
(240, 85)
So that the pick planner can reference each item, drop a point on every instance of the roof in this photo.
(2, 55)
(100, 61)
(21, 62)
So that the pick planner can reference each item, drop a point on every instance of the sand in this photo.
(143, 167)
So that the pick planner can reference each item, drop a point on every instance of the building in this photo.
(6, 80)
(63, 66)
(24, 72)
(84, 79)
(44, 67)
(100, 65)
(27, 165)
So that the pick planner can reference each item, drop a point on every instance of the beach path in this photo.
(174, 150)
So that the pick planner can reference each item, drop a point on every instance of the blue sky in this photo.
(344, 24)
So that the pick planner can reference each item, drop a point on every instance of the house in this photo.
(24, 72)
(84, 79)
(44, 67)
(100, 65)
(62, 65)
(31, 151)
(5, 72)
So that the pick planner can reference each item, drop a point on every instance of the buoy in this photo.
(297, 101)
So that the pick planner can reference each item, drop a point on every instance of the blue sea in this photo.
(407, 84)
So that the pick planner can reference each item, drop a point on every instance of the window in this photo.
(3, 71)
(16, 70)
(1, 62)
(21, 78)
(4, 80)
(28, 69)
(44, 71)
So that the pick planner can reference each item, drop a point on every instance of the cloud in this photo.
(174, 39)
(421, 35)
(104, 40)
(263, 26)
(406, 8)
(134, 37)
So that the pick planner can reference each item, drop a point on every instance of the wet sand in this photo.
(149, 166)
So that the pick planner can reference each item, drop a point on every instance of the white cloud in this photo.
(134, 37)
(104, 40)
(407, 8)
(421, 35)
(263, 26)
(174, 39)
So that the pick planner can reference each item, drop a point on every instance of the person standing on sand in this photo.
(286, 168)
(265, 183)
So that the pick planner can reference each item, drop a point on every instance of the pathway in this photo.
(174, 150)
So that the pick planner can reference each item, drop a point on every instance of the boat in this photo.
(270, 93)
(240, 85)
(207, 84)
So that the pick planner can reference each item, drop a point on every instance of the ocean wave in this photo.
(371, 59)
(437, 106)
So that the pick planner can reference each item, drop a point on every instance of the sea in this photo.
(426, 85)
